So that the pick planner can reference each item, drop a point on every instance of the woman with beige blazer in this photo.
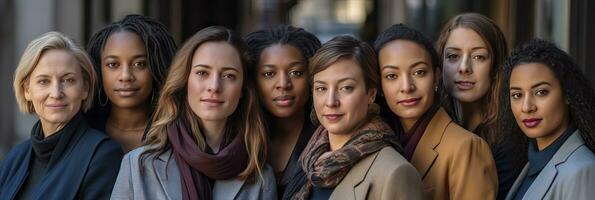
(353, 154)
(453, 162)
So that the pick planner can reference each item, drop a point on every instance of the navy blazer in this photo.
(86, 170)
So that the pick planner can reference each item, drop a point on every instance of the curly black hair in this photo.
(575, 86)
(160, 49)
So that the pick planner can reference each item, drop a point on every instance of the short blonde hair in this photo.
(31, 56)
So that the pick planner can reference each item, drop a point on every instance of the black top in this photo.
(538, 160)
(43, 148)
(319, 193)
(293, 177)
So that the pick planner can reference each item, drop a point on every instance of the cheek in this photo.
(450, 70)
(265, 87)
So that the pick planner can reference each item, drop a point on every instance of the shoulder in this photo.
(389, 162)
(457, 137)
(18, 151)
(581, 161)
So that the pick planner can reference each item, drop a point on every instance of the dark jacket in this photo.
(84, 165)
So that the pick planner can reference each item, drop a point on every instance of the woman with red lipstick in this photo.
(208, 139)
(131, 57)
(281, 57)
(353, 154)
(551, 101)
(472, 49)
(453, 162)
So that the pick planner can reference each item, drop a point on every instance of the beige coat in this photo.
(383, 175)
(454, 163)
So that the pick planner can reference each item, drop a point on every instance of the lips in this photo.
(531, 122)
(332, 117)
(284, 100)
(126, 92)
(212, 102)
(56, 105)
(409, 101)
(465, 85)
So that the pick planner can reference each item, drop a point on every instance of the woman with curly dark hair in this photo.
(280, 73)
(548, 98)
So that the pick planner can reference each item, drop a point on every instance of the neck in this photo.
(337, 141)
(129, 118)
(213, 132)
(549, 139)
(472, 114)
(407, 123)
(284, 128)
(50, 128)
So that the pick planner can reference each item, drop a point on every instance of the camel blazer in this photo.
(453, 162)
(161, 180)
(383, 175)
(570, 174)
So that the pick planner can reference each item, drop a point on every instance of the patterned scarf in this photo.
(327, 169)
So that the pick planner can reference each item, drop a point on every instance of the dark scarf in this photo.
(199, 167)
(412, 137)
(327, 169)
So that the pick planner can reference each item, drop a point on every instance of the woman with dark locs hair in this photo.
(280, 56)
(449, 158)
(472, 49)
(547, 97)
(131, 58)
(207, 139)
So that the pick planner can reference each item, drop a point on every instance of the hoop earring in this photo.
(102, 104)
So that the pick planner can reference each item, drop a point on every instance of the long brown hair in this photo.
(246, 119)
(498, 50)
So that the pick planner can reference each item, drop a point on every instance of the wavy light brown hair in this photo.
(498, 50)
(173, 104)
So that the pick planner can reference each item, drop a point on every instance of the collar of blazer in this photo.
(354, 178)
(223, 189)
(547, 175)
(424, 154)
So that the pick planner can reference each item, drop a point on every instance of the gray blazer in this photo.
(161, 180)
(570, 174)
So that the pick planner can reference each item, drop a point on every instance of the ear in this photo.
(26, 90)
(372, 95)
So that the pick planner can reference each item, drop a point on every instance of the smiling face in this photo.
(340, 97)
(467, 63)
(215, 81)
(282, 80)
(537, 101)
(408, 80)
(126, 76)
(56, 88)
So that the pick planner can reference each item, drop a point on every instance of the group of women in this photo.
(278, 115)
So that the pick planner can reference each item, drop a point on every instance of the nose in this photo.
(57, 90)
(332, 99)
(407, 84)
(126, 74)
(283, 82)
(465, 66)
(528, 105)
(214, 85)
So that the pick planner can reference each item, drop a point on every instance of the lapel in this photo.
(425, 154)
(166, 170)
(351, 187)
(546, 177)
(20, 170)
(227, 189)
(517, 183)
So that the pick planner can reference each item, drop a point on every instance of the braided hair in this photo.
(160, 49)
(575, 86)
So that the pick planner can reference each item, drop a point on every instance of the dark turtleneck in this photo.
(44, 149)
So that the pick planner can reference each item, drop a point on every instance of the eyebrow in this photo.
(133, 57)
(410, 66)
(534, 86)
(45, 75)
(209, 67)
(458, 49)
(290, 64)
(339, 81)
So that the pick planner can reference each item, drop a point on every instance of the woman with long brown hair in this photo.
(207, 139)
(472, 49)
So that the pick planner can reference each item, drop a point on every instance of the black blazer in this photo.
(86, 169)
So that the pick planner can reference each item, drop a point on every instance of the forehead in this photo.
(56, 62)
(123, 42)
(341, 69)
(216, 55)
(402, 51)
(464, 37)
(528, 74)
(280, 51)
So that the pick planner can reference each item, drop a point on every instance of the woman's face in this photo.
(467, 63)
(282, 80)
(56, 88)
(215, 81)
(126, 76)
(340, 97)
(408, 80)
(537, 101)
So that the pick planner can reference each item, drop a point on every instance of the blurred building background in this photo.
(568, 23)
